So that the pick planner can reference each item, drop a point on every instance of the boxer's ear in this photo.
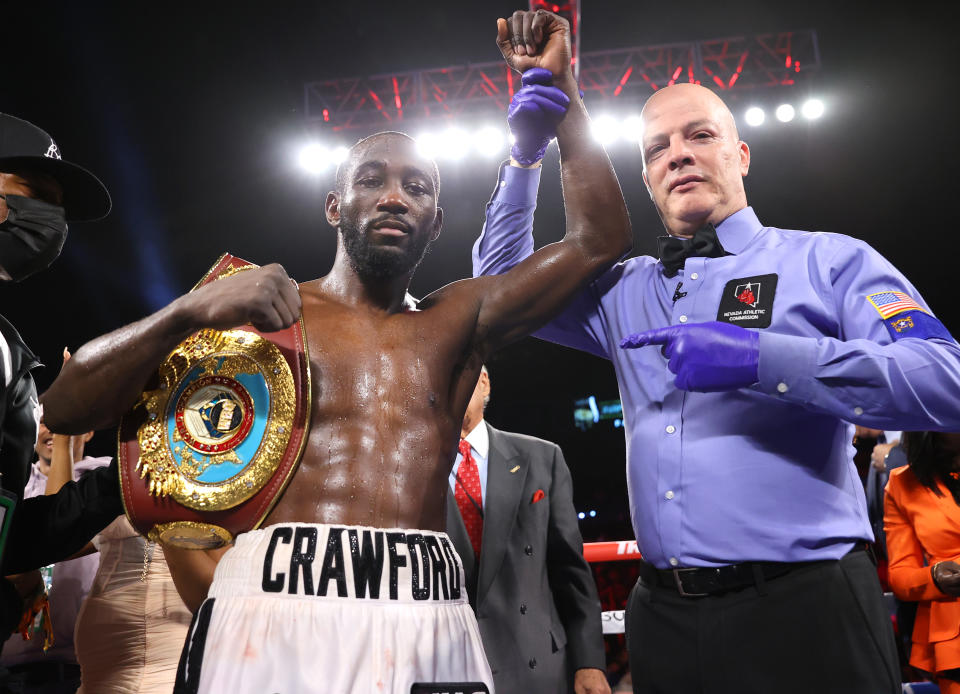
(332, 209)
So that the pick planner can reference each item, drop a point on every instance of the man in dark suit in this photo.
(510, 515)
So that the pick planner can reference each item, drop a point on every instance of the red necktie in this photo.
(468, 486)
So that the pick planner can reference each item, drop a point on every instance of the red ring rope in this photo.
(617, 550)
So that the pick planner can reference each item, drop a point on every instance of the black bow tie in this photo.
(675, 251)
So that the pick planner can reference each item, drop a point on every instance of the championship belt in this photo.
(217, 435)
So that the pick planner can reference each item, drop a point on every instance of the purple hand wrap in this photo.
(533, 115)
(706, 357)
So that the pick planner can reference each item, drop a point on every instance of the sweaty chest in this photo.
(363, 367)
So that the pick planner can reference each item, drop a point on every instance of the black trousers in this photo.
(820, 628)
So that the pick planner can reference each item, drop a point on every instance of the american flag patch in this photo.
(891, 303)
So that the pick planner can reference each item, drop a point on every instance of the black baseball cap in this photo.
(25, 146)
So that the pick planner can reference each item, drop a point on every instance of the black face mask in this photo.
(31, 236)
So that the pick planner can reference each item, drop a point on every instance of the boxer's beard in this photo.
(378, 262)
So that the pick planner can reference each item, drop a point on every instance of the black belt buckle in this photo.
(679, 582)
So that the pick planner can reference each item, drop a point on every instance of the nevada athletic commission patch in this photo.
(748, 301)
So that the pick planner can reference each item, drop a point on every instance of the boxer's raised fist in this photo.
(535, 39)
(264, 297)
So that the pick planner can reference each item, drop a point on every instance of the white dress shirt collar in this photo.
(479, 439)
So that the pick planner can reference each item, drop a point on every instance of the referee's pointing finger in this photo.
(659, 336)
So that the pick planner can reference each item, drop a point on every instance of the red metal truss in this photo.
(629, 75)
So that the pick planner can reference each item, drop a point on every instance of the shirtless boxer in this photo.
(322, 596)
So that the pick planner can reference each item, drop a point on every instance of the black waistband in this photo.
(696, 582)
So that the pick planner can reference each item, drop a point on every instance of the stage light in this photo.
(314, 158)
(812, 108)
(755, 116)
(593, 514)
(489, 141)
(632, 129)
(338, 154)
(454, 144)
(785, 113)
(429, 145)
(581, 515)
(605, 129)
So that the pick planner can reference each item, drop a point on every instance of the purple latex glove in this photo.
(706, 357)
(533, 115)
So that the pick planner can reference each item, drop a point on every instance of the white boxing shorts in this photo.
(303, 607)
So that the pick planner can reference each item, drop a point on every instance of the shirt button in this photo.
(523, 609)
(674, 561)
(683, 319)
(782, 387)
(694, 276)
(668, 495)
(532, 663)
(670, 429)
(858, 411)
(529, 550)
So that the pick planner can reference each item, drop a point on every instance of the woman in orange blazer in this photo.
(922, 522)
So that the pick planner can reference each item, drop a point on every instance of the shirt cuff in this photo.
(516, 186)
(786, 364)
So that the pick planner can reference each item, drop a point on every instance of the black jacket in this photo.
(45, 529)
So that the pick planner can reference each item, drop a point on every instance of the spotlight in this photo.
(593, 514)
(314, 158)
(812, 108)
(785, 113)
(581, 515)
(755, 116)
(338, 154)
(429, 145)
(454, 143)
(605, 129)
(632, 129)
(489, 141)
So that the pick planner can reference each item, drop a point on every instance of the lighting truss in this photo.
(733, 65)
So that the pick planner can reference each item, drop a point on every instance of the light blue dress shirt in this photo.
(759, 473)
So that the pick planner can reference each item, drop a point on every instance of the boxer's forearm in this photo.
(106, 376)
(597, 219)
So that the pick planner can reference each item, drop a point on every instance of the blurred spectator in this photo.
(131, 627)
(922, 520)
(133, 624)
(29, 668)
(625, 685)
(39, 193)
(887, 455)
(511, 518)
